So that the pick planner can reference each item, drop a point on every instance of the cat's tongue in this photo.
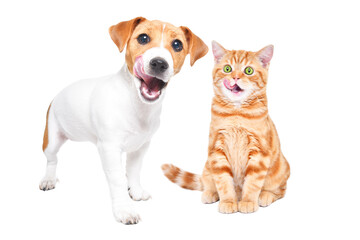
(232, 86)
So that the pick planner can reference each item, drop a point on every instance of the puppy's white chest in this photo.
(120, 117)
(138, 134)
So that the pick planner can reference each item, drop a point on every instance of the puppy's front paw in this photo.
(139, 194)
(228, 207)
(247, 207)
(47, 183)
(126, 215)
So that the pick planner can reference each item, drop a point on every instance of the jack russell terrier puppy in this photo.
(121, 112)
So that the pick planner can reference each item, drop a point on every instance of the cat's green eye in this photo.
(249, 70)
(227, 68)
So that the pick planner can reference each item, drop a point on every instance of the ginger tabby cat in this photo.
(245, 166)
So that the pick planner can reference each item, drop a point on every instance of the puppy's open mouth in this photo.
(232, 86)
(150, 87)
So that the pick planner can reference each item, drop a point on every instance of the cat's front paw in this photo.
(209, 197)
(247, 207)
(266, 198)
(228, 207)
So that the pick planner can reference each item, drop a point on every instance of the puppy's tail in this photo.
(46, 132)
(182, 178)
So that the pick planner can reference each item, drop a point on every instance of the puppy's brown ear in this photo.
(121, 32)
(197, 48)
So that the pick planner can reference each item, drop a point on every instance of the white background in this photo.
(313, 96)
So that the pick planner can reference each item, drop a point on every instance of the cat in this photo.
(245, 166)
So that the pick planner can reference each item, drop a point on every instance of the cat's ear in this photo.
(265, 55)
(197, 48)
(218, 51)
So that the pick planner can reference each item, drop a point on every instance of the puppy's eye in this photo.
(143, 39)
(177, 45)
(249, 70)
(227, 68)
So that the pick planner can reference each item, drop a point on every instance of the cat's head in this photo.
(240, 75)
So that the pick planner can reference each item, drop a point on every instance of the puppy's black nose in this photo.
(158, 65)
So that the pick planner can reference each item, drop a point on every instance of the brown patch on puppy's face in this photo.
(155, 51)
(163, 34)
(127, 33)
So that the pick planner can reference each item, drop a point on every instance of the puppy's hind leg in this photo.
(53, 140)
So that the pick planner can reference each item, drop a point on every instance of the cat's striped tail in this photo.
(182, 178)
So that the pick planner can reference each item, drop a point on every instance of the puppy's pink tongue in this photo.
(150, 86)
(139, 71)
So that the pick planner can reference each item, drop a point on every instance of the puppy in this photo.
(120, 113)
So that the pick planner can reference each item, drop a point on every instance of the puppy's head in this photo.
(155, 52)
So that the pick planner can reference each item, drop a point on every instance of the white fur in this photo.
(162, 36)
(110, 113)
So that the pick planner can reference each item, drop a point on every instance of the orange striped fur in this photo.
(184, 179)
(245, 166)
